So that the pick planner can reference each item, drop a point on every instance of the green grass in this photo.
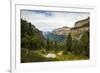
(71, 57)
(40, 56)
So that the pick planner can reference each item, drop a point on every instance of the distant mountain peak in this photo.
(45, 33)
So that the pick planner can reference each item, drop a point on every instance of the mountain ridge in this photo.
(79, 27)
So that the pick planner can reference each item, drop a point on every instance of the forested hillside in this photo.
(59, 45)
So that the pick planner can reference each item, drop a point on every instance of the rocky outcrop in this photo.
(62, 31)
(81, 23)
(80, 27)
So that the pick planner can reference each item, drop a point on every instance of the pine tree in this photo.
(68, 43)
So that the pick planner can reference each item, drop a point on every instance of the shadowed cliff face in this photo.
(31, 37)
(29, 29)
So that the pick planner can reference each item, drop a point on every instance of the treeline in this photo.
(78, 46)
(71, 45)
(32, 39)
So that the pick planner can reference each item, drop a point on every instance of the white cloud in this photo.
(55, 20)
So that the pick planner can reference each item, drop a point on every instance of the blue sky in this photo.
(49, 20)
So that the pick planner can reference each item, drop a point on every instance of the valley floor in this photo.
(28, 56)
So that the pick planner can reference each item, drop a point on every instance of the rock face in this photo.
(82, 22)
(62, 31)
(76, 31)
(51, 55)
(80, 27)
(29, 29)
